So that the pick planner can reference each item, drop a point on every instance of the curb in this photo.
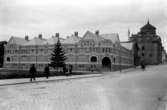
(51, 80)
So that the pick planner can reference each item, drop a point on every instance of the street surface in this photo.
(130, 90)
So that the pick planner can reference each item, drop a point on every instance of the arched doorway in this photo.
(106, 64)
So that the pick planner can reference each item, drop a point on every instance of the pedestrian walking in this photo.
(70, 69)
(32, 72)
(47, 71)
(64, 70)
(143, 66)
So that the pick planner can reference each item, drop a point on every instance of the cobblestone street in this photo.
(131, 90)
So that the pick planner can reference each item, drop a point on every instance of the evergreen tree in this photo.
(2, 43)
(58, 56)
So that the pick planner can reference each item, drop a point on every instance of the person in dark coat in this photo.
(65, 71)
(47, 71)
(70, 69)
(143, 65)
(32, 72)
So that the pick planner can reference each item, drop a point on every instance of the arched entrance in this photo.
(106, 64)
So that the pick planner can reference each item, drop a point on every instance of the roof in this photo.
(148, 26)
(89, 35)
(52, 40)
(17, 40)
(35, 41)
(127, 45)
(114, 37)
(71, 39)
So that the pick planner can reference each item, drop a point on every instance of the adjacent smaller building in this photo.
(147, 45)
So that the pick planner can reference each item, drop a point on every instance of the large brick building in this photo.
(147, 45)
(102, 52)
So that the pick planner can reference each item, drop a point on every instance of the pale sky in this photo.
(31, 17)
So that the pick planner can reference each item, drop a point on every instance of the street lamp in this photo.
(36, 47)
(19, 55)
(120, 59)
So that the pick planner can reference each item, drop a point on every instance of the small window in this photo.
(93, 59)
(8, 59)
(142, 54)
(142, 47)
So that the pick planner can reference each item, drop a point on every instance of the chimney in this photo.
(57, 34)
(97, 32)
(40, 36)
(26, 38)
(76, 34)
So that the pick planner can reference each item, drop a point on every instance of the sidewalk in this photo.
(6, 82)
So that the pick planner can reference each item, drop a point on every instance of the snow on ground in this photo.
(134, 90)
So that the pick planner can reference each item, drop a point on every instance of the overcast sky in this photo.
(31, 17)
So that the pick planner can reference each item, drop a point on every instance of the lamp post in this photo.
(99, 54)
(19, 55)
(76, 56)
(36, 48)
(120, 59)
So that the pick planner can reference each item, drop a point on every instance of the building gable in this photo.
(17, 41)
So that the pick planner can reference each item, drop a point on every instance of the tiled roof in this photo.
(35, 41)
(52, 40)
(89, 35)
(113, 37)
(71, 39)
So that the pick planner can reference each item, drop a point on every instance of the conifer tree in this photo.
(58, 56)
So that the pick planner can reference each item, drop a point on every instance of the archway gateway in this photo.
(106, 64)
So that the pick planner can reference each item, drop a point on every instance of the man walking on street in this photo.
(47, 71)
(32, 72)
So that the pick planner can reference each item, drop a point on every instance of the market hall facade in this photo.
(93, 51)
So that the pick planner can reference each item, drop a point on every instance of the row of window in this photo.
(30, 51)
(68, 50)
(28, 58)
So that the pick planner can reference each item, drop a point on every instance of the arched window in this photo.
(8, 59)
(93, 59)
